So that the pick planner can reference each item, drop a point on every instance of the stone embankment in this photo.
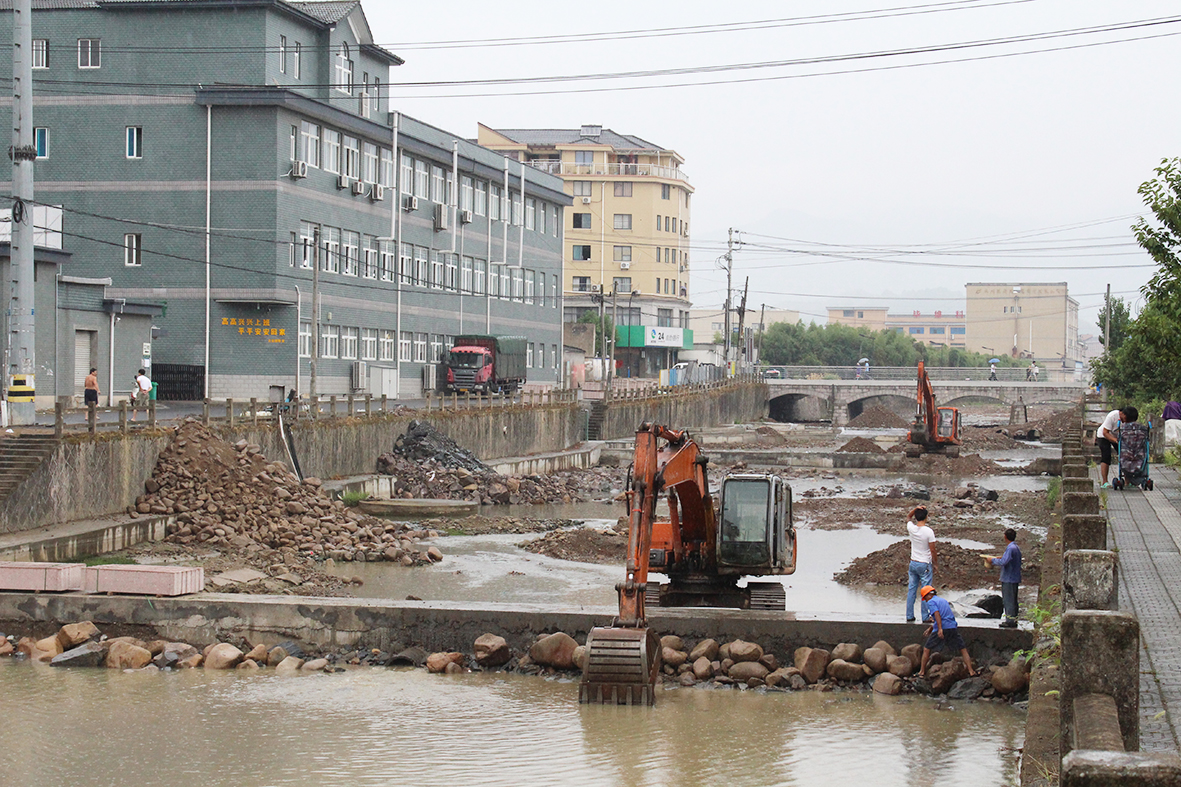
(735, 663)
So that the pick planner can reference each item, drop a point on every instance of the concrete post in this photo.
(92, 417)
(350, 404)
(1084, 531)
(384, 401)
(1101, 655)
(332, 406)
(1090, 579)
(151, 412)
(123, 416)
(59, 419)
(1091, 768)
(368, 405)
(254, 410)
(205, 411)
(230, 411)
(1075, 503)
(1075, 470)
(1077, 485)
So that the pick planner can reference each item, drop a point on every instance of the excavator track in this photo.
(622, 665)
(652, 594)
(767, 595)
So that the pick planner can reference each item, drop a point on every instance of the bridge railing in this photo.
(945, 373)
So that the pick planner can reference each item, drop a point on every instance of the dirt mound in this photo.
(938, 464)
(230, 496)
(878, 418)
(769, 437)
(987, 438)
(1056, 426)
(956, 568)
(862, 445)
(586, 545)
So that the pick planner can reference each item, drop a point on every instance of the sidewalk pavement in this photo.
(1146, 529)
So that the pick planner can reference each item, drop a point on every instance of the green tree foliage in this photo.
(833, 344)
(601, 329)
(1121, 322)
(1143, 365)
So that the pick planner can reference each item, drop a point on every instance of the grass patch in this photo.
(1053, 491)
(108, 560)
(353, 499)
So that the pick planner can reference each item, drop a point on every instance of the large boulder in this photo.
(125, 655)
(72, 635)
(47, 648)
(839, 669)
(580, 657)
(437, 662)
(887, 683)
(900, 666)
(671, 657)
(702, 668)
(173, 653)
(672, 641)
(707, 648)
(881, 644)
(745, 670)
(289, 665)
(223, 655)
(491, 650)
(276, 655)
(88, 654)
(811, 662)
(781, 676)
(257, 654)
(741, 650)
(875, 659)
(847, 651)
(315, 665)
(946, 675)
(968, 689)
(1009, 679)
(554, 650)
(914, 652)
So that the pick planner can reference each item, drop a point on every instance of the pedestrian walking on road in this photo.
(992, 372)
(922, 561)
(1010, 564)
(90, 388)
(944, 632)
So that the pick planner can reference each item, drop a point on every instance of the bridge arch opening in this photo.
(799, 408)
(902, 406)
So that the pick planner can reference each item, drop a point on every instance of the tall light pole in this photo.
(22, 356)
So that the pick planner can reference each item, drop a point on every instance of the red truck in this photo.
(486, 364)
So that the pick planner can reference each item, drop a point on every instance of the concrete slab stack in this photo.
(41, 577)
(145, 580)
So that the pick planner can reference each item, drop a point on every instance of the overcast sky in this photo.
(893, 164)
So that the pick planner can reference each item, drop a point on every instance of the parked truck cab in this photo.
(486, 364)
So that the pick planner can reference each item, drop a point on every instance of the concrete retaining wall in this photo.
(732, 404)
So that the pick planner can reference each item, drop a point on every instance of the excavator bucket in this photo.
(622, 665)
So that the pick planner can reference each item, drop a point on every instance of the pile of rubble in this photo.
(231, 496)
(423, 441)
(862, 445)
(877, 417)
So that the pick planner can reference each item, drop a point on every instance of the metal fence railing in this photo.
(945, 373)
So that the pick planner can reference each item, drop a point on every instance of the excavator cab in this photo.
(949, 424)
(756, 535)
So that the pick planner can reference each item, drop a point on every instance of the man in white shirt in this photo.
(143, 387)
(922, 561)
(1108, 436)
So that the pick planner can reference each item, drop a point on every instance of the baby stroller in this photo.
(1133, 456)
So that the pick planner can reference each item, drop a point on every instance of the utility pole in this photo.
(742, 320)
(22, 356)
(762, 322)
(729, 266)
(614, 320)
(1107, 323)
(316, 313)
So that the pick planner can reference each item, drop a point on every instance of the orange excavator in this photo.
(703, 559)
(935, 429)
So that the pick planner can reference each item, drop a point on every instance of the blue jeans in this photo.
(920, 574)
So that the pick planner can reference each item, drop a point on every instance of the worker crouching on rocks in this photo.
(943, 633)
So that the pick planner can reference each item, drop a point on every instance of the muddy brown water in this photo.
(398, 726)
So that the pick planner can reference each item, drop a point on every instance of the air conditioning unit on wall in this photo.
(359, 376)
(409, 202)
(465, 217)
(342, 181)
(358, 188)
(586, 200)
(441, 217)
(377, 192)
(299, 169)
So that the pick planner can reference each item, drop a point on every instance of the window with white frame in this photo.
(581, 252)
(405, 342)
(342, 70)
(505, 287)
(517, 284)
(623, 221)
(437, 269)
(553, 290)
(406, 264)
(422, 180)
(307, 244)
(420, 266)
(305, 340)
(481, 198)
(406, 183)
(282, 54)
(465, 192)
(493, 280)
(553, 354)
(580, 221)
(329, 341)
(528, 275)
(386, 345)
(451, 282)
(481, 271)
(529, 355)
(420, 347)
(291, 247)
(387, 167)
(436, 348)
(580, 284)
(449, 195)
(135, 142)
(621, 284)
(350, 252)
(40, 53)
(309, 136)
(494, 202)
(369, 162)
(369, 269)
(133, 249)
(584, 157)
(375, 96)
(541, 217)
(348, 343)
(331, 151)
(465, 275)
(530, 213)
(623, 253)
(368, 344)
(387, 260)
(623, 188)
(438, 185)
(296, 51)
(41, 141)
(330, 261)
(295, 143)
(89, 52)
(582, 188)
(352, 157)
(516, 209)
(553, 220)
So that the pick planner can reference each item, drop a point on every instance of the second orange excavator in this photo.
(704, 557)
(935, 429)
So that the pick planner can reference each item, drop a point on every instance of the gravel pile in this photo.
(862, 445)
(878, 418)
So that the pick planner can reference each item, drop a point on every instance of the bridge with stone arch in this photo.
(843, 400)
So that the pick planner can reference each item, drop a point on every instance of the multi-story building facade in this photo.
(220, 183)
(937, 328)
(626, 237)
(1036, 320)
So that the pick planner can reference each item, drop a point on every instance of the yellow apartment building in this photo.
(937, 328)
(1037, 320)
(626, 238)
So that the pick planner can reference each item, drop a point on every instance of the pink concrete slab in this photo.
(145, 580)
(41, 576)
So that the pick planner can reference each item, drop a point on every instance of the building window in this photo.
(529, 355)
(582, 188)
(422, 179)
(437, 269)
(350, 252)
(305, 340)
(623, 221)
(664, 318)
(623, 189)
(342, 74)
(282, 54)
(541, 217)
(135, 142)
(369, 162)
(553, 224)
(387, 168)
(436, 347)
(369, 244)
(438, 182)
(41, 141)
(621, 284)
(518, 279)
(329, 341)
(368, 344)
(504, 283)
(295, 67)
(530, 213)
(493, 280)
(40, 53)
(465, 275)
(420, 266)
(331, 151)
(936, 329)
(481, 198)
(581, 284)
(386, 345)
(451, 281)
(958, 331)
(351, 149)
(516, 216)
(916, 330)
(133, 249)
(582, 252)
(405, 342)
(348, 344)
(665, 191)
(529, 283)
(582, 221)
(89, 53)
(465, 192)
(623, 253)
(406, 264)
(387, 260)
(481, 272)
(420, 347)
(309, 136)
(406, 184)
(553, 290)
(584, 157)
